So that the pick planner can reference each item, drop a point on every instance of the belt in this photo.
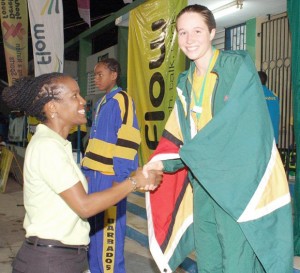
(36, 243)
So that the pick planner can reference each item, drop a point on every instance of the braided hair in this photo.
(30, 94)
(114, 66)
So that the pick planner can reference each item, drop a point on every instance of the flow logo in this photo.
(51, 6)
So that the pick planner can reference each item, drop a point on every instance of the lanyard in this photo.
(198, 102)
(103, 101)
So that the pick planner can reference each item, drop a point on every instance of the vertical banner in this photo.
(154, 62)
(47, 31)
(14, 26)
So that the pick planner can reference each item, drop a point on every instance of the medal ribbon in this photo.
(198, 102)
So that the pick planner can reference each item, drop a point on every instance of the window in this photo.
(235, 37)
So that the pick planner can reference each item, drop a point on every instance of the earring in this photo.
(52, 115)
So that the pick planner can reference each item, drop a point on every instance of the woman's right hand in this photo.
(152, 166)
(149, 182)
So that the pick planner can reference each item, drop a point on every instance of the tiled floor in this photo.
(11, 220)
(136, 253)
(12, 234)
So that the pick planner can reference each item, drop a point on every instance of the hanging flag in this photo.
(47, 40)
(154, 63)
(14, 26)
(84, 10)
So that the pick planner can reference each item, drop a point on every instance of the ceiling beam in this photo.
(103, 25)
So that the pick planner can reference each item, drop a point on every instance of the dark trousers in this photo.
(33, 258)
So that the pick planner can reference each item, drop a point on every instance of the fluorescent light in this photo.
(227, 9)
(225, 12)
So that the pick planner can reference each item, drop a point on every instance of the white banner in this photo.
(46, 21)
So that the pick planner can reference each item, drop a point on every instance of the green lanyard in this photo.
(198, 102)
(104, 101)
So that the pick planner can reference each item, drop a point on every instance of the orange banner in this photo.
(14, 26)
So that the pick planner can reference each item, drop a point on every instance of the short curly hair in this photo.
(30, 94)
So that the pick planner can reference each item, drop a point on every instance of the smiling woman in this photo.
(223, 136)
(55, 190)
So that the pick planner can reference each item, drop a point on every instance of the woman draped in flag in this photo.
(223, 173)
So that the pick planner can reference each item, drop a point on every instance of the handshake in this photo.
(149, 177)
